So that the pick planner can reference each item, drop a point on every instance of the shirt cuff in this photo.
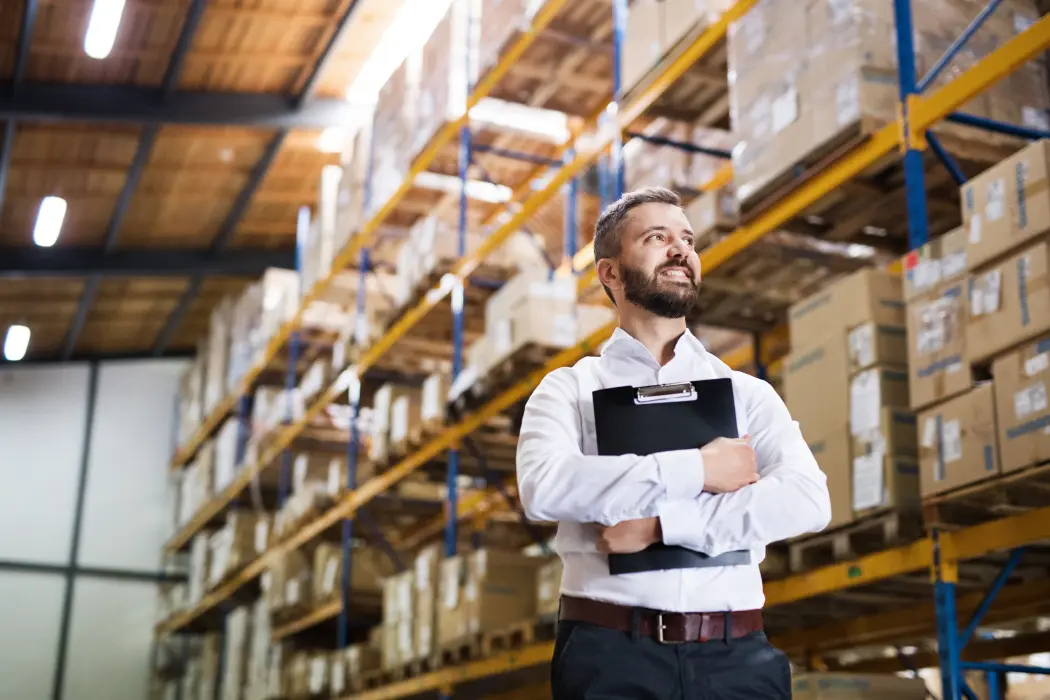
(681, 472)
(678, 524)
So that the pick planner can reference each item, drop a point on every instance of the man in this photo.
(686, 633)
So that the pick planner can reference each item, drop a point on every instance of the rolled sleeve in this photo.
(678, 524)
(681, 472)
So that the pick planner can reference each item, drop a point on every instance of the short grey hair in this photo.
(608, 230)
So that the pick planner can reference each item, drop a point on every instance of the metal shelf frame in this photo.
(922, 107)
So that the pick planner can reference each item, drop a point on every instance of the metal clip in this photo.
(665, 393)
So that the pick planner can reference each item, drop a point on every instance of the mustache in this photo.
(677, 264)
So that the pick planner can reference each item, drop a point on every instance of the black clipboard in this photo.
(663, 418)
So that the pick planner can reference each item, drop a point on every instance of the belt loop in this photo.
(636, 624)
(727, 627)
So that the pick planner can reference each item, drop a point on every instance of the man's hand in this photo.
(729, 464)
(630, 536)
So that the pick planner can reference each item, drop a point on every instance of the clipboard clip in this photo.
(665, 393)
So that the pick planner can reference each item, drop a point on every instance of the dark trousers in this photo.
(598, 662)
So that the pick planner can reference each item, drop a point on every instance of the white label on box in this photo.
(785, 110)
(953, 264)
(291, 591)
(867, 481)
(1036, 364)
(481, 563)
(262, 532)
(951, 439)
(424, 638)
(470, 591)
(563, 330)
(451, 584)
(862, 345)
(1037, 392)
(422, 573)
(330, 569)
(847, 101)
(404, 595)
(299, 472)
(996, 206)
(975, 229)
(338, 677)
(1022, 404)
(992, 283)
(1022, 22)
(404, 637)
(502, 336)
(317, 673)
(361, 329)
(1035, 118)
(929, 433)
(399, 419)
(545, 590)
(926, 274)
(431, 407)
(338, 355)
(334, 477)
(865, 401)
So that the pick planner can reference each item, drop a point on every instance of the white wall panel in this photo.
(129, 499)
(29, 633)
(42, 412)
(109, 640)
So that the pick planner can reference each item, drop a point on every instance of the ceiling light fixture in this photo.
(102, 27)
(49, 218)
(16, 343)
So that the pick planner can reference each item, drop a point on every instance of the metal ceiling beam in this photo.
(131, 181)
(81, 262)
(109, 104)
(7, 143)
(303, 103)
(50, 359)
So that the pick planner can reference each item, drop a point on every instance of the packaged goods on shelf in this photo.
(353, 662)
(1009, 302)
(846, 366)
(856, 686)
(366, 571)
(435, 397)
(712, 214)
(237, 640)
(502, 21)
(191, 394)
(531, 308)
(225, 463)
(449, 53)
(394, 126)
(1022, 411)
(398, 643)
(938, 357)
(451, 613)
(307, 674)
(323, 236)
(500, 589)
(236, 544)
(218, 348)
(204, 682)
(657, 27)
(198, 569)
(842, 55)
(405, 412)
(425, 588)
(548, 588)
(257, 672)
(290, 586)
(940, 261)
(958, 442)
(195, 485)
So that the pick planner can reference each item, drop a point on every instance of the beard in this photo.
(664, 297)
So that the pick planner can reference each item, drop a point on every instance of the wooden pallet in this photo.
(484, 644)
(380, 677)
(874, 533)
(997, 497)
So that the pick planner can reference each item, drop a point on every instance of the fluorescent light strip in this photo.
(49, 218)
(16, 343)
(102, 27)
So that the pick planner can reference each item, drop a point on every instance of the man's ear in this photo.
(608, 273)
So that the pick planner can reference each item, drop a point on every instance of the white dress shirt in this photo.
(562, 479)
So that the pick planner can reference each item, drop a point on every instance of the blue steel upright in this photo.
(914, 177)
(619, 8)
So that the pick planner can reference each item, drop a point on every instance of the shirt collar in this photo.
(623, 344)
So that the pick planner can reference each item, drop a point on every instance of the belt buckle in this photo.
(660, 630)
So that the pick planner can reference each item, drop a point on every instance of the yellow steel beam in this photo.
(315, 617)
(996, 535)
(977, 650)
(451, 676)
(467, 507)
(444, 136)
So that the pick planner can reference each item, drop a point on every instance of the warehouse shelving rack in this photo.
(940, 554)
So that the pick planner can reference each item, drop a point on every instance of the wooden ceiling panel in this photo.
(148, 33)
(371, 19)
(128, 314)
(87, 167)
(10, 25)
(189, 185)
(258, 45)
(292, 182)
(45, 305)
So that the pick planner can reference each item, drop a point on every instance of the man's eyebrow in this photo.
(660, 227)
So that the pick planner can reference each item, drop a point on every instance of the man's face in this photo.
(659, 268)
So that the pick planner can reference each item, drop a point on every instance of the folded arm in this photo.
(558, 483)
(789, 499)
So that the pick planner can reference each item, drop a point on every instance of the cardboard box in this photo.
(832, 452)
(1021, 378)
(856, 686)
(451, 613)
(1007, 205)
(936, 263)
(870, 391)
(866, 296)
(872, 344)
(500, 589)
(958, 442)
(426, 582)
(548, 588)
(646, 42)
(1009, 303)
(712, 213)
(938, 358)
(816, 384)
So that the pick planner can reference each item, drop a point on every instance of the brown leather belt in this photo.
(665, 627)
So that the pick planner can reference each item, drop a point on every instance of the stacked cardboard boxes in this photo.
(425, 589)
(805, 78)
(846, 384)
(394, 126)
(353, 662)
(399, 600)
(992, 314)
(191, 393)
